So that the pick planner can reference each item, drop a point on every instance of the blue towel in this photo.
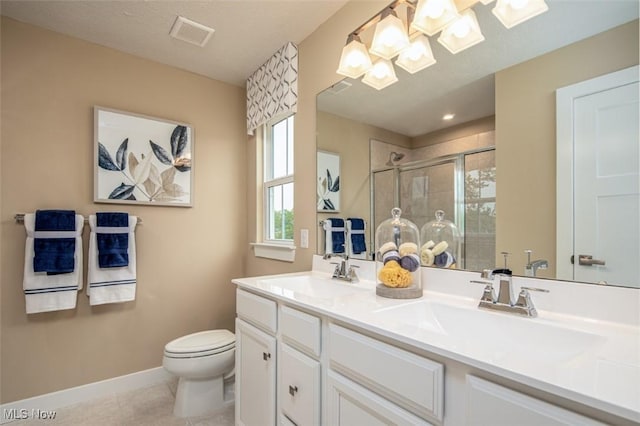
(358, 244)
(113, 246)
(54, 250)
(337, 234)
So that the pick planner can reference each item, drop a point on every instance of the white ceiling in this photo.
(247, 32)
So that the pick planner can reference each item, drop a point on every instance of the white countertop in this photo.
(590, 361)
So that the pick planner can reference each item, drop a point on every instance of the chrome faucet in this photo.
(531, 268)
(343, 270)
(504, 300)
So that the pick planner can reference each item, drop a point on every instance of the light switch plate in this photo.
(304, 238)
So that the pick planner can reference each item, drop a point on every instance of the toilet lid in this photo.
(210, 341)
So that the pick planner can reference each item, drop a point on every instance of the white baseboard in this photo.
(64, 398)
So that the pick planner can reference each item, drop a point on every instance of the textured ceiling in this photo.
(247, 32)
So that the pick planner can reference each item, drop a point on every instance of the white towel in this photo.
(42, 292)
(111, 285)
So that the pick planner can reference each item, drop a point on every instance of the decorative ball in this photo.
(444, 260)
(410, 262)
(428, 245)
(440, 248)
(392, 275)
(427, 257)
(386, 247)
(391, 255)
(407, 248)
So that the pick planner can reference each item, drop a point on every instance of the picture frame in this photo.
(142, 160)
(328, 181)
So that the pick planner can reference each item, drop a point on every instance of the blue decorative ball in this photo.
(444, 260)
(410, 262)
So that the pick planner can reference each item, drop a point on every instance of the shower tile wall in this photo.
(425, 190)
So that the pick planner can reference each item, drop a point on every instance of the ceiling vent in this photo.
(339, 87)
(192, 32)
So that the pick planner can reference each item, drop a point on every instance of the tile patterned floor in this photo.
(148, 406)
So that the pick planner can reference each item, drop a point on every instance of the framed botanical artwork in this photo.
(142, 160)
(328, 181)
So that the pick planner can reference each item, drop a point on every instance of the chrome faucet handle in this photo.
(542, 290)
(524, 300)
(351, 274)
(489, 294)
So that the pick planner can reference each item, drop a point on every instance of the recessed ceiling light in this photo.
(448, 116)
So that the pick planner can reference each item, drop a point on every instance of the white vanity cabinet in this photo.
(255, 360)
(491, 404)
(298, 364)
(299, 384)
(278, 374)
(396, 381)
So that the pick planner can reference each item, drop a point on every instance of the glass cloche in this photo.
(441, 247)
(397, 258)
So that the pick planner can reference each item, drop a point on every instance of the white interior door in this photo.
(606, 182)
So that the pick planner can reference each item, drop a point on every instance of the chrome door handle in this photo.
(588, 260)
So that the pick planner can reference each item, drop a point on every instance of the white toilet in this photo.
(202, 361)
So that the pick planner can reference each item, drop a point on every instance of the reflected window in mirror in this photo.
(278, 180)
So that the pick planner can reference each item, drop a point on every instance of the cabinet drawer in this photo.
(300, 329)
(409, 380)
(350, 404)
(257, 310)
(489, 403)
(299, 387)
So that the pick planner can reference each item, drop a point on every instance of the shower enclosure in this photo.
(463, 185)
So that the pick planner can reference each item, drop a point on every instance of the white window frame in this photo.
(280, 249)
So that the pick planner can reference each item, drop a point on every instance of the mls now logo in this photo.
(23, 414)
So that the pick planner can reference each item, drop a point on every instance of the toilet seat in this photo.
(201, 344)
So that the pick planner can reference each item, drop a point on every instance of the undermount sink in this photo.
(497, 336)
(309, 286)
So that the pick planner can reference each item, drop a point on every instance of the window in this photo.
(278, 181)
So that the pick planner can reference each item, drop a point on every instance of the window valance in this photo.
(272, 89)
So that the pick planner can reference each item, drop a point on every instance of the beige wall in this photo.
(186, 256)
(351, 140)
(318, 59)
(525, 138)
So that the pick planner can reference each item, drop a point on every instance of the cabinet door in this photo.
(255, 376)
(350, 404)
(495, 405)
(299, 387)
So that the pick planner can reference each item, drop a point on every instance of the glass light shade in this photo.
(390, 37)
(355, 60)
(462, 33)
(514, 12)
(432, 16)
(417, 56)
(380, 75)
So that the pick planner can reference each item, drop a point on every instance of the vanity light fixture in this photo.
(433, 15)
(514, 12)
(462, 33)
(418, 56)
(454, 19)
(355, 60)
(390, 36)
(380, 75)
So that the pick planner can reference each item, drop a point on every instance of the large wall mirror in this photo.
(492, 167)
